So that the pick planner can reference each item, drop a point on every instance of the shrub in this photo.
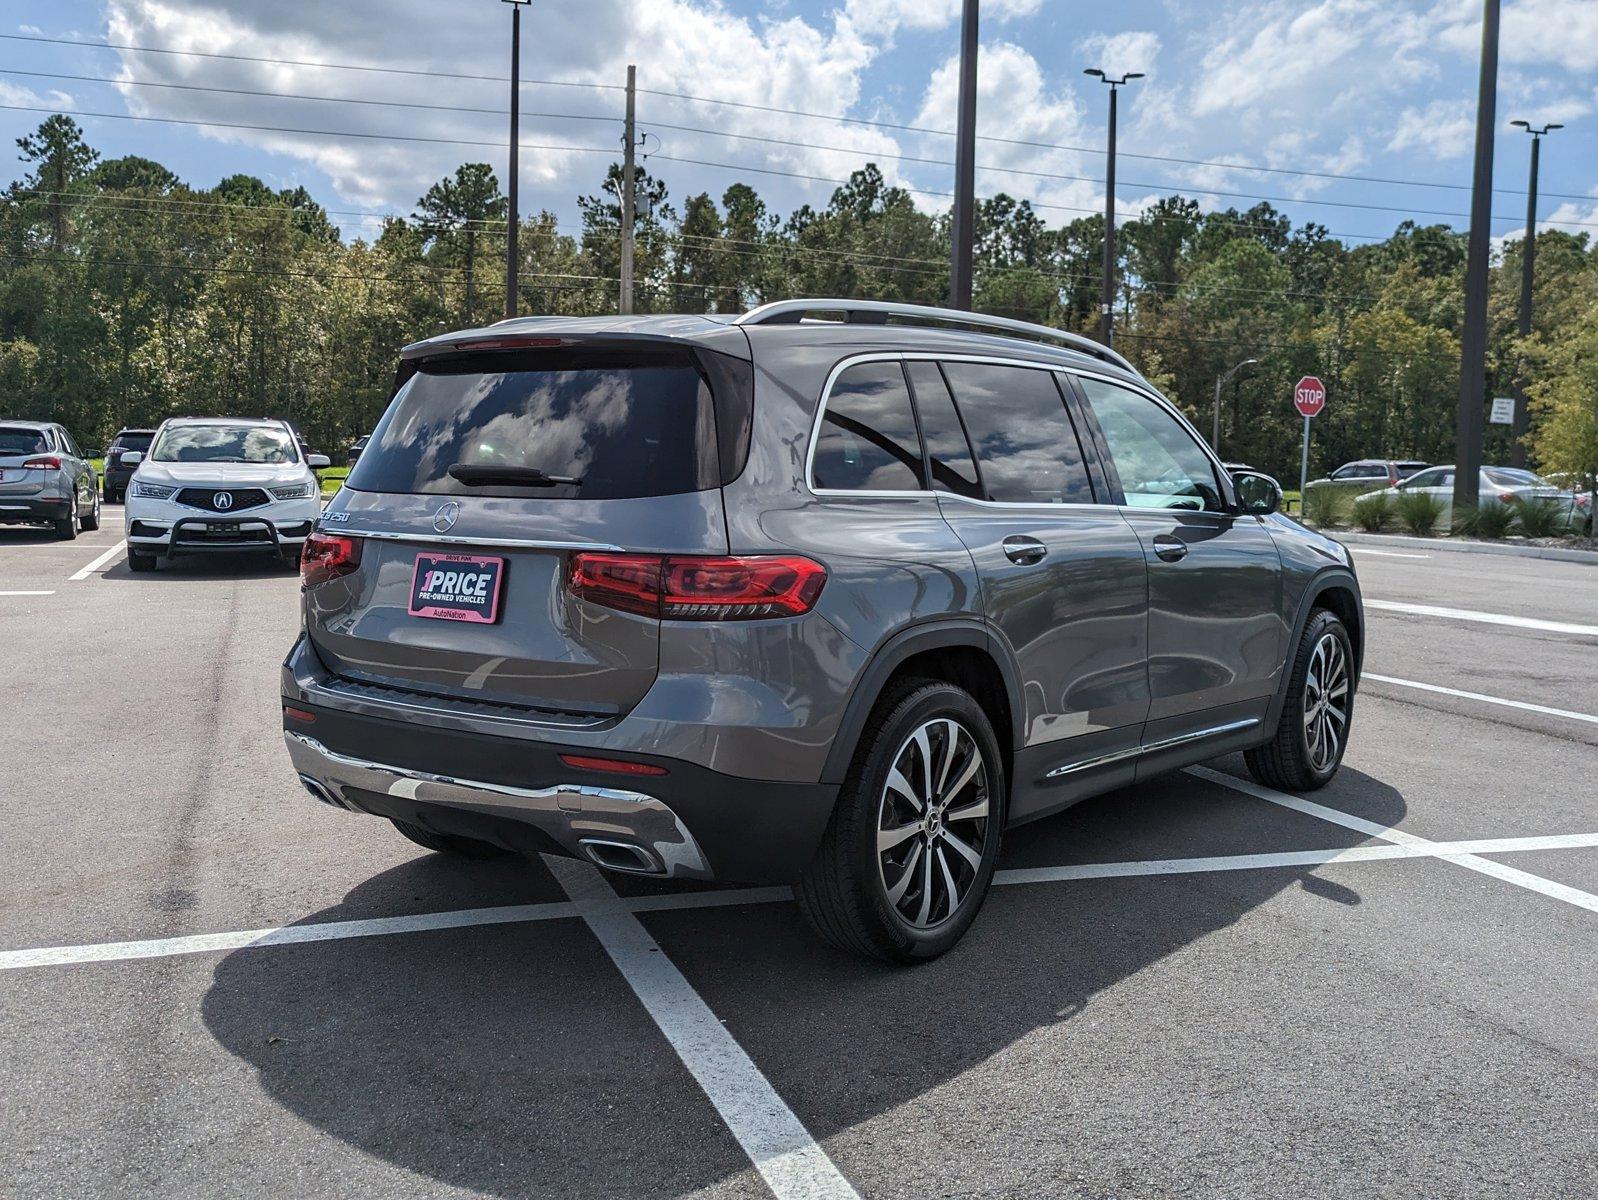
(1540, 518)
(1323, 506)
(1374, 514)
(1419, 512)
(1490, 519)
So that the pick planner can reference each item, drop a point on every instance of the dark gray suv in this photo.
(832, 593)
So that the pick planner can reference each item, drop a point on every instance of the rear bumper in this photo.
(689, 823)
(33, 509)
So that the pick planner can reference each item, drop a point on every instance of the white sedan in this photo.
(1506, 485)
(210, 484)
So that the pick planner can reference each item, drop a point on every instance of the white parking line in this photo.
(27, 593)
(1485, 618)
(1361, 551)
(99, 562)
(1453, 854)
(327, 931)
(792, 1163)
(1448, 691)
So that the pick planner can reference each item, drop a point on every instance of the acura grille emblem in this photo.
(444, 519)
(223, 500)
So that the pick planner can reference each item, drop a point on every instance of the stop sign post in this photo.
(1309, 397)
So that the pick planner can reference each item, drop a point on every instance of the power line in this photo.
(689, 97)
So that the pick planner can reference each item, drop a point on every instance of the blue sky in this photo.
(1383, 89)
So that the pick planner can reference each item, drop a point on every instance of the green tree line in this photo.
(127, 295)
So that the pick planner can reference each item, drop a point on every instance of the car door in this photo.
(1216, 625)
(1062, 577)
(77, 469)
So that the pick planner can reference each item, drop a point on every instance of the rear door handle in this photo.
(1168, 548)
(1024, 550)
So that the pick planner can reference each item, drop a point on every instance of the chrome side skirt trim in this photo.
(1180, 739)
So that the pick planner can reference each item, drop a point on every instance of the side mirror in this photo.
(1258, 495)
(317, 462)
(132, 457)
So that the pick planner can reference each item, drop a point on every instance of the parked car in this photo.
(777, 599)
(225, 483)
(1571, 482)
(1507, 485)
(1356, 478)
(46, 480)
(353, 455)
(116, 473)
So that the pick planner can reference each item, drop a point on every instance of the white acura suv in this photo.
(221, 483)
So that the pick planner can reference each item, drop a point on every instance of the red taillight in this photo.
(690, 587)
(48, 462)
(327, 556)
(616, 766)
(1505, 497)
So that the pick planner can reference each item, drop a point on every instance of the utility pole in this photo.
(1107, 304)
(963, 233)
(628, 204)
(1473, 342)
(512, 256)
(1528, 266)
(1215, 438)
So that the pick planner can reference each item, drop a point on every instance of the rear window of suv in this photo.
(22, 441)
(586, 424)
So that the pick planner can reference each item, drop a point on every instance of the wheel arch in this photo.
(961, 651)
(1336, 590)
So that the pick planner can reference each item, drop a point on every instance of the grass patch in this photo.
(1418, 512)
(1539, 518)
(1325, 506)
(332, 479)
(1490, 519)
(1374, 514)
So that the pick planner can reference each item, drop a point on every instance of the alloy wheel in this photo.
(1326, 699)
(932, 822)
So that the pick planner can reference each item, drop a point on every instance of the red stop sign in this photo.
(1309, 396)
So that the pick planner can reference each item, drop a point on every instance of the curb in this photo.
(1465, 546)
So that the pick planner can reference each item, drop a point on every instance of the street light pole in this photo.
(1473, 341)
(1528, 265)
(1107, 305)
(1215, 438)
(512, 255)
(963, 230)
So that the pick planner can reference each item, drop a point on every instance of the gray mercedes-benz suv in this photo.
(832, 593)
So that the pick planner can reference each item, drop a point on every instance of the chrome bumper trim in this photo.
(571, 813)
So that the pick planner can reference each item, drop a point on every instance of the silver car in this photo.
(832, 593)
(1505, 485)
(46, 480)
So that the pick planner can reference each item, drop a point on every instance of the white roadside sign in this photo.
(1503, 410)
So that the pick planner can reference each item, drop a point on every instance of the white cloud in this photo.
(1120, 53)
(886, 16)
(1561, 32)
(1443, 129)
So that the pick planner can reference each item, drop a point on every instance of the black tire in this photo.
(139, 562)
(844, 892)
(67, 528)
(450, 843)
(1292, 760)
(91, 522)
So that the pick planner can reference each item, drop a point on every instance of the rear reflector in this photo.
(616, 766)
(44, 463)
(686, 587)
(328, 556)
(299, 714)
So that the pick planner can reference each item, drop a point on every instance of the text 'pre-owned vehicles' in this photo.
(46, 480)
(116, 473)
(210, 484)
(831, 593)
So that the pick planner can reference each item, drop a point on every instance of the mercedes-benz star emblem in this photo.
(444, 519)
(223, 500)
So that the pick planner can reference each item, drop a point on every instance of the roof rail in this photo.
(881, 312)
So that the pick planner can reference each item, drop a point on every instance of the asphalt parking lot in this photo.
(211, 985)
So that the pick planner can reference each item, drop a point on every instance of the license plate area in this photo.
(457, 587)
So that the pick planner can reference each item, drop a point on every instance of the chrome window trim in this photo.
(1180, 739)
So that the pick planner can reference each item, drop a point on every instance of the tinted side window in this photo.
(1025, 444)
(1159, 462)
(867, 441)
(953, 468)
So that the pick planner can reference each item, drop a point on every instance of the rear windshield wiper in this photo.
(489, 475)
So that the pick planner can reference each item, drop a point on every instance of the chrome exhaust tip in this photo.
(320, 791)
(621, 856)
